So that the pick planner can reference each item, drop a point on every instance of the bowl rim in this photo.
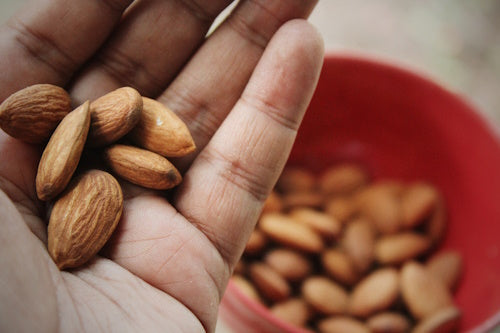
(491, 126)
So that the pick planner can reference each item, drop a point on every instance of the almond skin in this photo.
(256, 243)
(290, 264)
(296, 179)
(270, 284)
(327, 226)
(422, 293)
(343, 179)
(381, 206)
(339, 266)
(83, 218)
(388, 322)
(358, 242)
(417, 204)
(446, 320)
(376, 292)
(342, 324)
(446, 266)
(160, 130)
(287, 231)
(62, 154)
(32, 114)
(142, 167)
(294, 311)
(395, 249)
(114, 115)
(246, 287)
(324, 295)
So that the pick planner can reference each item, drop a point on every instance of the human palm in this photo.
(242, 92)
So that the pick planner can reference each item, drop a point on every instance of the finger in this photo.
(206, 90)
(224, 189)
(159, 245)
(149, 47)
(47, 41)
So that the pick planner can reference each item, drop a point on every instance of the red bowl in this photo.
(402, 125)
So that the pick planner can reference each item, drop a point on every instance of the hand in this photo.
(242, 92)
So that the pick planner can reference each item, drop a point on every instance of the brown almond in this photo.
(142, 167)
(245, 287)
(342, 324)
(423, 293)
(343, 179)
(296, 179)
(358, 242)
(398, 248)
(273, 203)
(446, 320)
(382, 207)
(376, 292)
(62, 154)
(388, 322)
(83, 218)
(114, 115)
(160, 130)
(289, 232)
(327, 226)
(270, 284)
(256, 243)
(239, 267)
(341, 208)
(31, 114)
(417, 204)
(447, 266)
(302, 199)
(324, 295)
(339, 266)
(292, 265)
(293, 311)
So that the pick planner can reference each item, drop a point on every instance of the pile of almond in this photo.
(340, 253)
(133, 135)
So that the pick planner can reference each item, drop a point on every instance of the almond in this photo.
(446, 320)
(62, 154)
(83, 218)
(422, 293)
(296, 179)
(417, 204)
(376, 292)
(342, 324)
(447, 267)
(339, 266)
(142, 167)
(245, 287)
(290, 264)
(114, 115)
(343, 179)
(381, 206)
(388, 322)
(327, 226)
(294, 311)
(341, 208)
(32, 114)
(398, 248)
(436, 226)
(289, 232)
(270, 284)
(160, 130)
(358, 242)
(302, 199)
(256, 243)
(324, 295)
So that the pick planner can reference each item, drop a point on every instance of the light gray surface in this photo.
(454, 41)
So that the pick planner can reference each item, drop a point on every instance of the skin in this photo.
(242, 92)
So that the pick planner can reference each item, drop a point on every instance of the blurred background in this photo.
(455, 42)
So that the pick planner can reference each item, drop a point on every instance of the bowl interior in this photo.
(401, 125)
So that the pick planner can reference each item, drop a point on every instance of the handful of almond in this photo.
(88, 205)
(338, 253)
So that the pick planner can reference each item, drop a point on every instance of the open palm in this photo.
(242, 92)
